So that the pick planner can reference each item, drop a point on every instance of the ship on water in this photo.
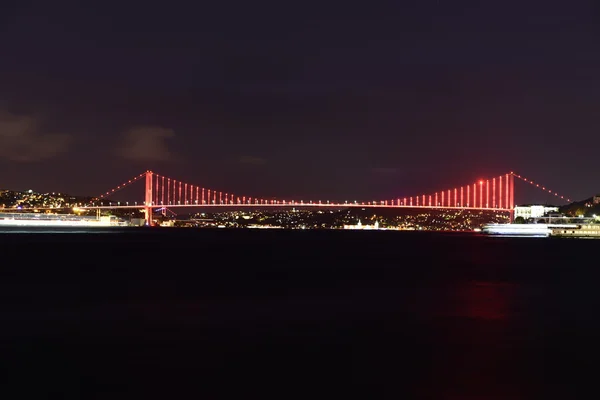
(541, 226)
(536, 230)
(582, 231)
(58, 220)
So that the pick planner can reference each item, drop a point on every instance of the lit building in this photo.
(527, 212)
(361, 226)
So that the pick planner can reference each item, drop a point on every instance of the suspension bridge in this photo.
(494, 194)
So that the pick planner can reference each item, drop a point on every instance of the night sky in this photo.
(330, 100)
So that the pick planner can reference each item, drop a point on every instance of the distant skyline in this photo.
(308, 100)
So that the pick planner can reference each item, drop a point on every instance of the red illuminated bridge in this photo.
(160, 191)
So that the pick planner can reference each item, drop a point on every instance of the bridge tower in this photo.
(511, 194)
(148, 199)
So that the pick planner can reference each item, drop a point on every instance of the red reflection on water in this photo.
(477, 355)
(486, 300)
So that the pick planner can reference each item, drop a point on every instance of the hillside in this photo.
(14, 199)
(584, 207)
(60, 202)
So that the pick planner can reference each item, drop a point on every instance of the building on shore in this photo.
(533, 211)
(375, 226)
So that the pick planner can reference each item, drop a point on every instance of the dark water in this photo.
(207, 314)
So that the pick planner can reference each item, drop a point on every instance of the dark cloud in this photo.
(146, 143)
(385, 171)
(252, 160)
(22, 140)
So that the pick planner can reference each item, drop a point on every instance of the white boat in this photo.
(57, 220)
(539, 230)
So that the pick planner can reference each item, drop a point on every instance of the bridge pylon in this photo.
(148, 199)
(511, 190)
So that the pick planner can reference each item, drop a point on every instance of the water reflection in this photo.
(486, 300)
(477, 343)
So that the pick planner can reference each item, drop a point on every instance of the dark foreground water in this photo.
(171, 314)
